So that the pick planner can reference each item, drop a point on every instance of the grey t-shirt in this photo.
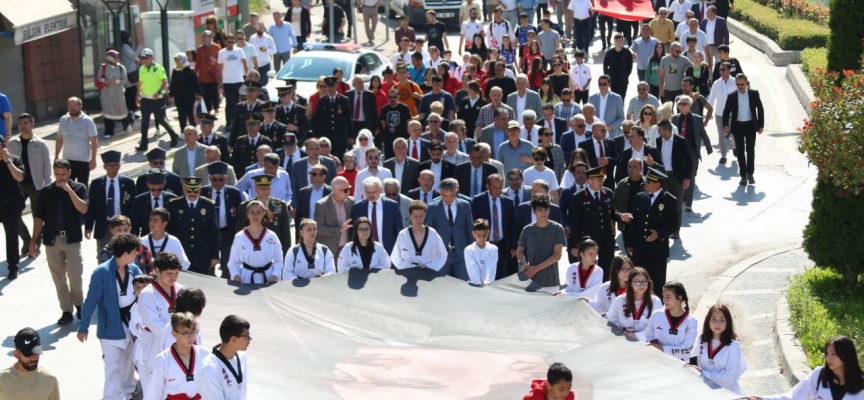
(674, 68)
(76, 136)
(547, 43)
(539, 244)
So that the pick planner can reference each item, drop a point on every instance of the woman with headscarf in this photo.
(363, 143)
(184, 88)
(112, 76)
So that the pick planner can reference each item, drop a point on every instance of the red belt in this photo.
(182, 397)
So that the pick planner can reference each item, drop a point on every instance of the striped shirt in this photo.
(76, 135)
(636, 105)
(487, 115)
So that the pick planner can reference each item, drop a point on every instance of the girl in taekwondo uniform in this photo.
(840, 378)
(174, 370)
(363, 252)
(309, 259)
(630, 311)
(418, 245)
(609, 290)
(256, 254)
(584, 277)
(720, 357)
(673, 330)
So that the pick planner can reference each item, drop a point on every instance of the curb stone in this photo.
(792, 357)
(800, 85)
(774, 53)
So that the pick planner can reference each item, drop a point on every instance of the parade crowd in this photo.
(499, 165)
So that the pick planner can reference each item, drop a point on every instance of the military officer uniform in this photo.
(591, 215)
(109, 197)
(273, 130)
(227, 201)
(217, 140)
(193, 221)
(281, 223)
(245, 147)
(332, 119)
(293, 114)
(657, 211)
(172, 180)
(244, 108)
(147, 201)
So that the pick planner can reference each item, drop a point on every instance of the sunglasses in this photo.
(373, 158)
(215, 179)
(346, 190)
(315, 174)
(580, 125)
(557, 65)
(547, 134)
(648, 113)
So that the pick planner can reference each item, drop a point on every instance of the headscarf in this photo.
(183, 59)
(360, 151)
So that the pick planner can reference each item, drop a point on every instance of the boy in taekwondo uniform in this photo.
(175, 369)
(155, 305)
(223, 373)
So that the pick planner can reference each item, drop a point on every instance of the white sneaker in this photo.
(108, 136)
(129, 129)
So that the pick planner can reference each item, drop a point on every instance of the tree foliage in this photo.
(846, 42)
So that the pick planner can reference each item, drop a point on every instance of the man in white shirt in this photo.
(452, 153)
(678, 9)
(530, 131)
(701, 38)
(469, 28)
(281, 186)
(684, 25)
(498, 28)
(582, 10)
(719, 92)
(373, 159)
(404, 54)
(265, 46)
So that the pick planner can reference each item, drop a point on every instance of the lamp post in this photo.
(163, 21)
(115, 7)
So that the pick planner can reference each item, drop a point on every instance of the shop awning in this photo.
(38, 18)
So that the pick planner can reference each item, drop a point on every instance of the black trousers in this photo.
(232, 97)
(630, 29)
(506, 265)
(744, 134)
(580, 97)
(605, 29)
(80, 171)
(185, 112)
(10, 229)
(226, 240)
(31, 192)
(111, 124)
(211, 96)
(157, 109)
(131, 94)
(619, 85)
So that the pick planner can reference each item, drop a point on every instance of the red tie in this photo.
(357, 107)
(414, 153)
(683, 126)
(602, 153)
(702, 12)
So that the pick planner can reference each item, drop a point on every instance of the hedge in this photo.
(789, 34)
(813, 58)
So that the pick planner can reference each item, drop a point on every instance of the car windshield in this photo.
(311, 68)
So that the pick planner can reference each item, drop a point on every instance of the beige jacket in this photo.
(39, 157)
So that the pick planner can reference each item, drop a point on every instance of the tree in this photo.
(846, 42)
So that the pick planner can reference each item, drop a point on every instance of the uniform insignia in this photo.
(126, 197)
(203, 211)
(233, 211)
(661, 207)
(339, 111)
(180, 211)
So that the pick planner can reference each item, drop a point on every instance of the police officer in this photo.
(281, 223)
(156, 159)
(655, 218)
(154, 196)
(227, 200)
(246, 145)
(332, 118)
(110, 195)
(591, 212)
(210, 138)
(11, 205)
(193, 221)
(291, 113)
(250, 105)
(272, 128)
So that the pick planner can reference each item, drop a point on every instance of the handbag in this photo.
(98, 79)
(132, 77)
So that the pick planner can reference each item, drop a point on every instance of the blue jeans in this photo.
(582, 29)
(263, 70)
(337, 36)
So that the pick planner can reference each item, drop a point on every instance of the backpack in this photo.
(98, 79)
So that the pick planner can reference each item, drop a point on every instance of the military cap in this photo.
(207, 118)
(283, 90)
(655, 175)
(156, 154)
(252, 85)
(217, 168)
(263, 181)
(596, 172)
(111, 156)
(331, 80)
(271, 106)
(253, 118)
(192, 183)
(156, 176)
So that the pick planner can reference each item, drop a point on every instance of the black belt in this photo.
(258, 270)
(61, 233)
(126, 314)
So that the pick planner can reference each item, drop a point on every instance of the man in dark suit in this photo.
(425, 192)
(442, 169)
(677, 162)
(290, 154)
(692, 127)
(332, 118)
(366, 116)
(469, 108)
(601, 152)
(655, 218)
(451, 217)
(210, 138)
(579, 172)
(247, 145)
(290, 113)
(558, 125)
(471, 175)
(717, 17)
(516, 190)
(384, 214)
(301, 169)
(227, 200)
(591, 214)
(418, 148)
(499, 211)
(281, 223)
(193, 222)
(272, 128)
(153, 196)
(405, 169)
(743, 126)
(571, 139)
(251, 105)
(110, 195)
(156, 160)
(304, 202)
(525, 214)
(644, 151)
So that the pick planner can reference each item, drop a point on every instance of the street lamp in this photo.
(163, 21)
(115, 7)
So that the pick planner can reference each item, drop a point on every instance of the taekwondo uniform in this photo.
(221, 378)
(255, 261)
(583, 283)
(723, 365)
(172, 380)
(349, 259)
(168, 243)
(407, 253)
(676, 335)
(637, 322)
(298, 264)
(155, 307)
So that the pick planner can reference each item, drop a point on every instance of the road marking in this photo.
(751, 292)
(765, 342)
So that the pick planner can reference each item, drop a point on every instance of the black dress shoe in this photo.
(141, 148)
(723, 160)
(13, 274)
(65, 319)
(174, 140)
(78, 312)
(743, 182)
(751, 180)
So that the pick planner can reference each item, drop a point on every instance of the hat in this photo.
(290, 139)
(27, 341)
(217, 168)
(271, 106)
(156, 154)
(331, 80)
(146, 53)
(156, 176)
(253, 118)
(654, 175)
(207, 118)
(513, 124)
(111, 156)
(596, 172)
(290, 82)
(403, 16)
(263, 181)
(112, 53)
(436, 145)
(252, 85)
(283, 90)
(192, 183)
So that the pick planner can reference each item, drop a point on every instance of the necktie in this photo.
(449, 214)
(517, 197)
(415, 154)
(426, 198)
(357, 107)
(475, 187)
(683, 126)
(191, 206)
(495, 228)
(289, 166)
(529, 134)
(702, 12)
(109, 208)
(252, 142)
(218, 206)
(155, 203)
(602, 153)
(597, 196)
(375, 221)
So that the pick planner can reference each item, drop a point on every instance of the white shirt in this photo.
(581, 8)
(679, 344)
(266, 42)
(470, 28)
(576, 287)
(232, 65)
(655, 195)
(250, 53)
(710, 24)
(679, 9)
(167, 243)
(701, 39)
(403, 58)
(597, 146)
(298, 267)
(398, 169)
(359, 192)
(243, 252)
(682, 27)
(314, 196)
(727, 365)
(496, 31)
(579, 73)
(221, 218)
(295, 19)
(436, 169)
(214, 384)
(744, 107)
(481, 263)
(520, 103)
(190, 157)
(603, 299)
(124, 301)
(601, 111)
(535, 132)
(631, 323)
(508, 5)
(529, 175)
(379, 215)
(168, 378)
(416, 144)
(116, 195)
(349, 259)
(666, 152)
(432, 255)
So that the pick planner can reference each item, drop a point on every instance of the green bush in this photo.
(822, 305)
(846, 43)
(832, 235)
(813, 58)
(789, 34)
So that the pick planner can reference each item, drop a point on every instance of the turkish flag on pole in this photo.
(627, 10)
